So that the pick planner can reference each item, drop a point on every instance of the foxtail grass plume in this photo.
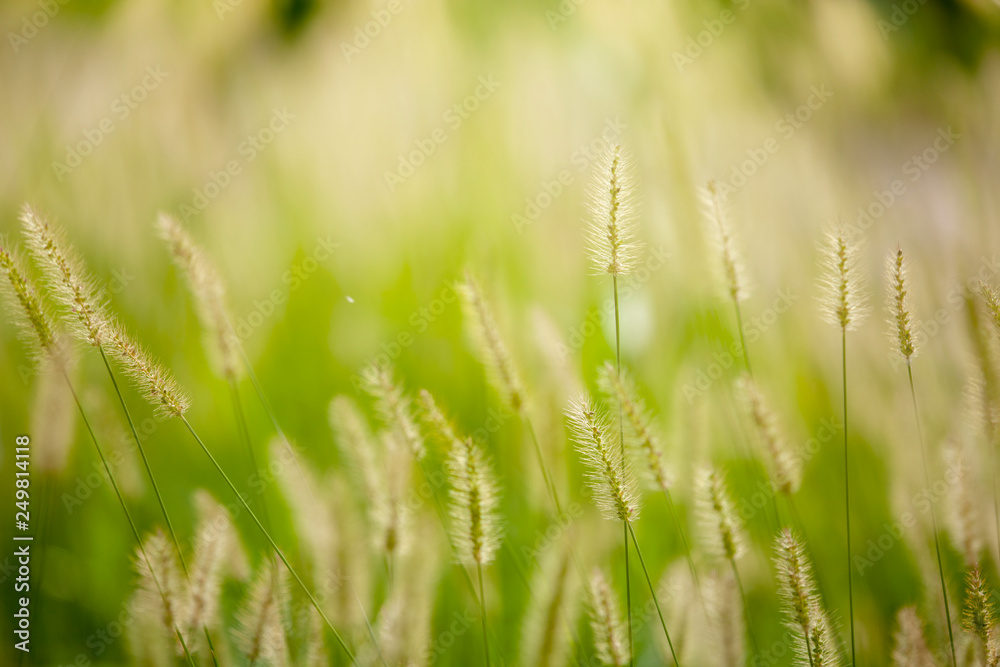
(724, 609)
(475, 504)
(814, 643)
(67, 278)
(992, 299)
(610, 476)
(722, 530)
(733, 270)
(261, 633)
(312, 516)
(436, 423)
(53, 417)
(619, 388)
(32, 316)
(964, 519)
(393, 407)
(900, 315)
(785, 466)
(606, 622)
(492, 350)
(209, 293)
(153, 381)
(910, 649)
(217, 553)
(980, 616)
(610, 235)
(545, 636)
(843, 301)
(162, 597)
(403, 626)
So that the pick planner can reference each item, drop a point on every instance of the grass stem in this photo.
(482, 614)
(652, 591)
(621, 438)
(847, 495)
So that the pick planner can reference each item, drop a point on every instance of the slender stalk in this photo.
(128, 515)
(743, 342)
(270, 540)
(546, 475)
(156, 488)
(937, 542)
(621, 438)
(652, 591)
(746, 612)
(684, 542)
(482, 614)
(244, 429)
(847, 494)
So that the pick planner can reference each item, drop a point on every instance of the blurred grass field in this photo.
(329, 173)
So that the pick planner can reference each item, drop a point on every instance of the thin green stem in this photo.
(746, 612)
(684, 542)
(128, 515)
(652, 591)
(270, 540)
(847, 495)
(937, 542)
(244, 429)
(482, 614)
(156, 488)
(743, 342)
(546, 475)
(621, 439)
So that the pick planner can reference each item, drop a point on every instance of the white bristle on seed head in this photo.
(610, 236)
(730, 260)
(475, 506)
(722, 530)
(900, 313)
(606, 623)
(609, 473)
(162, 594)
(980, 618)
(261, 634)
(154, 381)
(910, 646)
(492, 350)
(394, 407)
(32, 315)
(844, 300)
(784, 466)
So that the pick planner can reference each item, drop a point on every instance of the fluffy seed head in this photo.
(785, 466)
(992, 299)
(154, 381)
(610, 236)
(393, 407)
(551, 611)
(721, 528)
(724, 609)
(805, 617)
(474, 504)
(23, 298)
(980, 616)
(733, 271)
(261, 635)
(619, 388)
(217, 551)
(53, 415)
(500, 368)
(162, 591)
(69, 282)
(843, 302)
(606, 622)
(609, 474)
(910, 648)
(209, 293)
(900, 317)
(436, 423)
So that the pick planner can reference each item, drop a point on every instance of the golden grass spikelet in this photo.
(475, 506)
(610, 478)
(393, 407)
(785, 466)
(436, 423)
(992, 299)
(980, 616)
(68, 281)
(500, 369)
(731, 262)
(722, 530)
(725, 613)
(153, 381)
(162, 591)
(610, 236)
(910, 646)
(209, 293)
(900, 314)
(552, 609)
(403, 626)
(844, 301)
(621, 389)
(217, 551)
(802, 605)
(964, 520)
(261, 633)
(606, 622)
(32, 316)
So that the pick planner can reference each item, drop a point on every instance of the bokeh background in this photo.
(357, 194)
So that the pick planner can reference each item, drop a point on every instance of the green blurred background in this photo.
(693, 89)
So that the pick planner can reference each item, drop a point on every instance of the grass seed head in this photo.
(731, 261)
(722, 530)
(610, 235)
(475, 507)
(606, 622)
(900, 315)
(844, 299)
